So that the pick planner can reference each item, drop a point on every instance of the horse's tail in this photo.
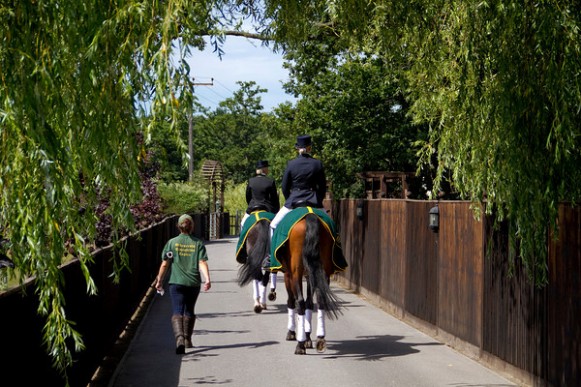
(252, 269)
(318, 280)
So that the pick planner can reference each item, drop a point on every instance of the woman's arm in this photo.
(206, 272)
(161, 274)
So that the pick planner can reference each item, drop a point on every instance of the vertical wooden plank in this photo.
(352, 239)
(392, 252)
(564, 301)
(460, 273)
(513, 310)
(421, 262)
(373, 230)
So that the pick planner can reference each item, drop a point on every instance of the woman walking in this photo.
(187, 257)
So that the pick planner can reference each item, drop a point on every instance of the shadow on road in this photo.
(373, 347)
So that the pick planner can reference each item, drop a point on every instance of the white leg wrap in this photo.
(308, 319)
(273, 281)
(301, 336)
(255, 290)
(321, 323)
(262, 292)
(291, 319)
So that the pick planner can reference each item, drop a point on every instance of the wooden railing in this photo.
(456, 284)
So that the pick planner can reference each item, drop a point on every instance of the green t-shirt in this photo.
(187, 252)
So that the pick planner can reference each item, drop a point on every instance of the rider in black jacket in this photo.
(303, 183)
(261, 193)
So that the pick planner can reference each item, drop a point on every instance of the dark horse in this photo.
(308, 253)
(254, 261)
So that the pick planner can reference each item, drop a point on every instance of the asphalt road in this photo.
(234, 346)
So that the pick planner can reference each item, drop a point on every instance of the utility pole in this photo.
(191, 134)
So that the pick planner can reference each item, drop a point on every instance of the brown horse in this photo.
(255, 263)
(308, 253)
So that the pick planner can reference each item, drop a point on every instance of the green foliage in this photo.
(169, 155)
(356, 113)
(180, 198)
(235, 133)
(235, 198)
(506, 122)
(75, 77)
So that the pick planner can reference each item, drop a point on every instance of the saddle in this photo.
(303, 203)
(259, 207)
(248, 224)
(281, 235)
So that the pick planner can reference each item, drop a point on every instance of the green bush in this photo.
(180, 198)
(235, 197)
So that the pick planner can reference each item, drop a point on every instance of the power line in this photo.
(221, 84)
(191, 131)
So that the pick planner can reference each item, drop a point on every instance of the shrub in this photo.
(180, 198)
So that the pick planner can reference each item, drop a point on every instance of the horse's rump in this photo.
(310, 254)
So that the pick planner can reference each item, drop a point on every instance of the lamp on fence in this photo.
(434, 218)
(359, 210)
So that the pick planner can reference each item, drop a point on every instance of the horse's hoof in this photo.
(272, 296)
(321, 344)
(291, 336)
(300, 350)
(308, 342)
(257, 309)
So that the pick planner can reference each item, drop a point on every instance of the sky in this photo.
(243, 60)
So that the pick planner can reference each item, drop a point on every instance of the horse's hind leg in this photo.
(301, 334)
(272, 294)
(291, 312)
(308, 328)
(296, 308)
(309, 306)
(321, 342)
(256, 296)
(262, 283)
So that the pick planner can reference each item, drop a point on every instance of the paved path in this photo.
(236, 347)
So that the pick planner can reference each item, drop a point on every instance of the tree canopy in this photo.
(353, 106)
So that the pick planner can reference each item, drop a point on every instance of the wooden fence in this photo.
(456, 284)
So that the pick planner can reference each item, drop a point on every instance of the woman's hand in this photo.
(158, 284)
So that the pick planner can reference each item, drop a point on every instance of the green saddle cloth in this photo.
(280, 236)
(254, 217)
